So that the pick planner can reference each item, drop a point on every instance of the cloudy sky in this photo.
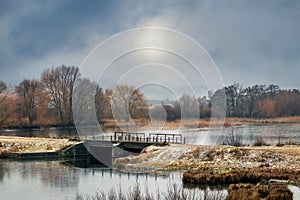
(251, 42)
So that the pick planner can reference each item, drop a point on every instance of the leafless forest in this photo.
(48, 101)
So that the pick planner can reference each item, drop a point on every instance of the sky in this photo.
(250, 42)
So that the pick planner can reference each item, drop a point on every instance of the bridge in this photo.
(121, 144)
(153, 138)
(104, 148)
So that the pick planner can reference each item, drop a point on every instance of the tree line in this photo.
(258, 101)
(262, 101)
(48, 101)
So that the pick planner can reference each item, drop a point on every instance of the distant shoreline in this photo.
(111, 124)
(201, 123)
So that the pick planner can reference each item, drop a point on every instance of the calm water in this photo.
(270, 132)
(47, 132)
(54, 180)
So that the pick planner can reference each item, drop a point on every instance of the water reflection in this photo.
(271, 133)
(85, 162)
(46, 132)
(55, 180)
(48, 173)
(4, 170)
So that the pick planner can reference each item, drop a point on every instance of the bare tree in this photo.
(3, 95)
(84, 101)
(51, 80)
(232, 94)
(138, 106)
(60, 82)
(28, 99)
(68, 76)
(100, 103)
(3, 87)
(218, 103)
(107, 112)
(127, 101)
(189, 106)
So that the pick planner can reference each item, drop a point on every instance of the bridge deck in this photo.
(141, 137)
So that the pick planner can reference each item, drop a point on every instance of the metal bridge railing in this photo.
(141, 137)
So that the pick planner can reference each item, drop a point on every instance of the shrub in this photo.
(232, 139)
(259, 141)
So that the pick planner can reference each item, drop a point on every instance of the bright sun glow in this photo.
(152, 38)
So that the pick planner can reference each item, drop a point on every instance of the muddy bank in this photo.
(258, 192)
(31, 145)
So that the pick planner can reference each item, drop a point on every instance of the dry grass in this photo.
(289, 150)
(252, 176)
(184, 157)
(10, 144)
(233, 120)
(111, 124)
(174, 192)
(258, 192)
(115, 125)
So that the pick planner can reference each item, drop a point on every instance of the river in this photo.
(56, 180)
(271, 133)
(60, 180)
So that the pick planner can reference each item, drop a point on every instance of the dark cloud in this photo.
(250, 41)
(48, 29)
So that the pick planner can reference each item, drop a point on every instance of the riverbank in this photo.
(249, 172)
(176, 156)
(206, 165)
(11, 144)
(194, 157)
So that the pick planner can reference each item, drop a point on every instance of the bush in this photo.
(259, 141)
(291, 142)
(279, 144)
(232, 139)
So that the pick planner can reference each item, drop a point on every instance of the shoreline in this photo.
(175, 156)
(110, 124)
(239, 168)
(215, 158)
(172, 157)
(35, 145)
